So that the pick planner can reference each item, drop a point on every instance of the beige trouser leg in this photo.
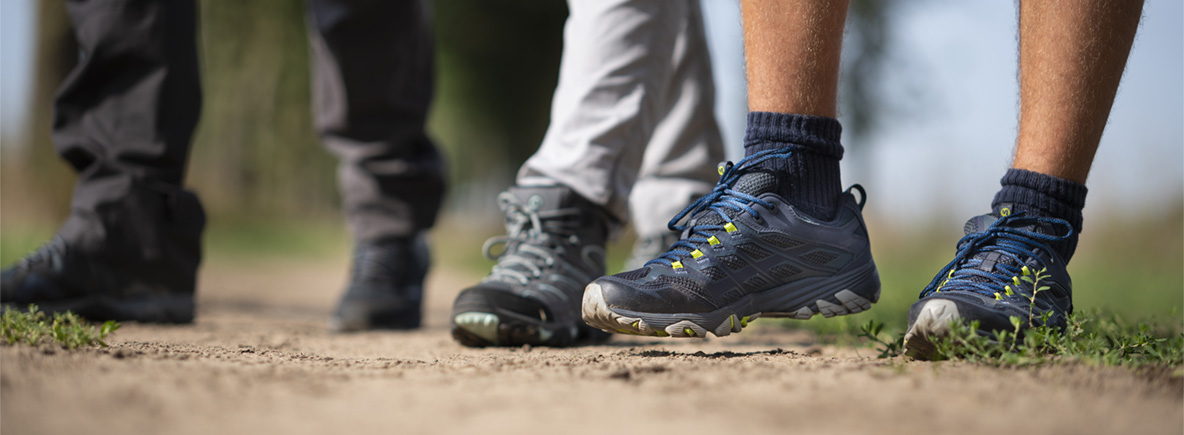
(632, 123)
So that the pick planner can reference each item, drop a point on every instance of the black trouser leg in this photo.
(373, 67)
(124, 119)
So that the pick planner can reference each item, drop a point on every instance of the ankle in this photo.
(1047, 196)
(809, 178)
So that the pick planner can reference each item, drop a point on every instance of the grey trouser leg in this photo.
(373, 67)
(124, 119)
(632, 123)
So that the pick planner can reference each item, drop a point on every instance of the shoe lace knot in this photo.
(990, 261)
(535, 238)
(713, 212)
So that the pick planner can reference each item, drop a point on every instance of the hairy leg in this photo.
(792, 52)
(1072, 54)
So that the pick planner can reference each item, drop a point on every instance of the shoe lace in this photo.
(533, 242)
(1015, 245)
(722, 199)
(48, 252)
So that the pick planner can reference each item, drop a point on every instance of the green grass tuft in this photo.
(34, 328)
(1090, 338)
(1094, 338)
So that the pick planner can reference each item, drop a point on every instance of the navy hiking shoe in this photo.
(386, 286)
(58, 278)
(1003, 261)
(744, 253)
(554, 247)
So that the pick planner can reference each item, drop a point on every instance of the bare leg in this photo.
(1072, 54)
(792, 51)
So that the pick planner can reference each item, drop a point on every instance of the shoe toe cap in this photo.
(935, 311)
(624, 295)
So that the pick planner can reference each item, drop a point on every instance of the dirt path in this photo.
(259, 361)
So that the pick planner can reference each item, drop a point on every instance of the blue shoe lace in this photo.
(1008, 237)
(720, 200)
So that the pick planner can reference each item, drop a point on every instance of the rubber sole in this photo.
(357, 318)
(485, 317)
(721, 322)
(483, 329)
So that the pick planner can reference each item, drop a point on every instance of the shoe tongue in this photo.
(752, 183)
(755, 183)
(563, 212)
(544, 198)
(979, 223)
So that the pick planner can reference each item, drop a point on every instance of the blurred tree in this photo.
(863, 95)
(867, 36)
(498, 66)
(55, 54)
(255, 151)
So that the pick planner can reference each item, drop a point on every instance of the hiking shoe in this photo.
(648, 248)
(386, 286)
(554, 247)
(744, 253)
(58, 279)
(1001, 262)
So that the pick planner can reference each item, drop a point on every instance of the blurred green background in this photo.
(271, 189)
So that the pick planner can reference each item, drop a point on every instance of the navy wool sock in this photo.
(809, 178)
(1044, 195)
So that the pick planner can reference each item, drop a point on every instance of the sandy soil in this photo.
(258, 360)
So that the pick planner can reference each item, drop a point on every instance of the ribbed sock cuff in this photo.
(814, 134)
(1045, 195)
(809, 178)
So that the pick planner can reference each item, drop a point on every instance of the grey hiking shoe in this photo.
(554, 246)
(744, 253)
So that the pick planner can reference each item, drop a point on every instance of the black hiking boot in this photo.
(386, 286)
(58, 278)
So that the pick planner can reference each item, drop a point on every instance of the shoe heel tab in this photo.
(862, 194)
